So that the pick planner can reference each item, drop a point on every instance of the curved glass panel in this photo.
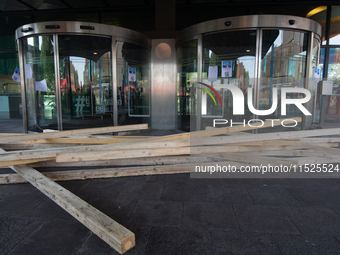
(332, 101)
(228, 59)
(283, 65)
(85, 81)
(133, 87)
(335, 26)
(186, 78)
(40, 83)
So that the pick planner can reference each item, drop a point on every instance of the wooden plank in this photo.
(318, 160)
(292, 153)
(219, 131)
(127, 154)
(101, 173)
(117, 236)
(23, 161)
(14, 157)
(264, 137)
(34, 146)
(321, 140)
(118, 162)
(122, 136)
(256, 159)
(152, 161)
(29, 137)
(329, 145)
(83, 140)
(268, 143)
(9, 134)
(86, 156)
(111, 172)
(321, 149)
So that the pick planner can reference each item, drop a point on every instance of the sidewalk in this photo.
(173, 214)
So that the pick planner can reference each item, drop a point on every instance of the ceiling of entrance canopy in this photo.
(89, 47)
(142, 15)
(236, 44)
(36, 5)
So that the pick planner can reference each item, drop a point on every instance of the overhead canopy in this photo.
(89, 47)
(236, 44)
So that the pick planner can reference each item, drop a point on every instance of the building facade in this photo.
(148, 73)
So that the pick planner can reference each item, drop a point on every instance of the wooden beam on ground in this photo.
(121, 136)
(117, 236)
(125, 154)
(30, 137)
(321, 149)
(13, 158)
(118, 162)
(264, 137)
(101, 173)
(113, 172)
(83, 140)
(220, 131)
(318, 160)
(23, 161)
(128, 154)
(268, 143)
(9, 134)
(292, 153)
(152, 161)
(34, 146)
(255, 159)
(315, 140)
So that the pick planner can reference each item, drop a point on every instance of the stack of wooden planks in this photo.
(94, 155)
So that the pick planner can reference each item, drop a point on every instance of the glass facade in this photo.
(40, 82)
(70, 82)
(133, 97)
(133, 84)
(10, 97)
(283, 65)
(186, 79)
(328, 96)
(85, 81)
(249, 75)
(233, 55)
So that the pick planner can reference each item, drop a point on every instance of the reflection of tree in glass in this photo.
(334, 74)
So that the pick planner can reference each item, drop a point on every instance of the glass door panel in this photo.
(228, 59)
(332, 109)
(40, 83)
(186, 80)
(283, 64)
(133, 90)
(85, 80)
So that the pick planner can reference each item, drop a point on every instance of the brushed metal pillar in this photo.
(163, 86)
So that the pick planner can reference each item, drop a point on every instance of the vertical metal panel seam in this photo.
(23, 87)
(57, 82)
(199, 79)
(257, 83)
(308, 72)
(114, 80)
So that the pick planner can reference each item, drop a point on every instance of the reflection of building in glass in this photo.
(284, 65)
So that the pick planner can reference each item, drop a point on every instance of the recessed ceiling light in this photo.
(247, 50)
(95, 53)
